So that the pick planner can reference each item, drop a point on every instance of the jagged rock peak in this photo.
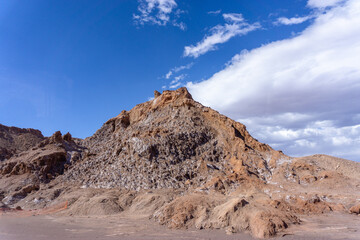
(168, 98)
(180, 93)
(67, 137)
(178, 97)
(156, 94)
(173, 95)
(56, 137)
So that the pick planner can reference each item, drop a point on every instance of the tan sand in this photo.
(41, 227)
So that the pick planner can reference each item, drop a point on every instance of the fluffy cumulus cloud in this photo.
(319, 7)
(307, 136)
(158, 12)
(300, 94)
(235, 26)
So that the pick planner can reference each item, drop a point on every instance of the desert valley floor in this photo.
(12, 227)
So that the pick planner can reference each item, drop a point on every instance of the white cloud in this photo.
(315, 137)
(180, 25)
(319, 5)
(235, 26)
(291, 21)
(176, 82)
(168, 75)
(323, 3)
(158, 12)
(178, 69)
(178, 78)
(183, 67)
(214, 12)
(300, 93)
(176, 85)
(233, 17)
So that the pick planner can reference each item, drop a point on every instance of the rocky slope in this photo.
(183, 165)
(14, 140)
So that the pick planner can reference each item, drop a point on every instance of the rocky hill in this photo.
(171, 142)
(183, 165)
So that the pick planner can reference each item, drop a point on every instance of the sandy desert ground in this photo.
(41, 227)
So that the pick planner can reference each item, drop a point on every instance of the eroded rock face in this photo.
(47, 160)
(14, 140)
(40, 164)
(355, 209)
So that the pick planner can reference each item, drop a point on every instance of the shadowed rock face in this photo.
(171, 141)
(14, 140)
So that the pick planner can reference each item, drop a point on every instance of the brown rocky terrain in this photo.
(14, 140)
(171, 142)
(182, 165)
(26, 171)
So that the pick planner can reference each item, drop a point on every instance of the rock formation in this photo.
(24, 172)
(14, 140)
(172, 142)
(183, 165)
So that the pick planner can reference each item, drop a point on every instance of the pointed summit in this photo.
(174, 94)
(177, 97)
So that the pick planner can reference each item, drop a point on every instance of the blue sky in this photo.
(287, 69)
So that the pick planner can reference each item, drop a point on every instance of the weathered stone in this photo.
(163, 143)
(355, 209)
(156, 94)
(14, 140)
